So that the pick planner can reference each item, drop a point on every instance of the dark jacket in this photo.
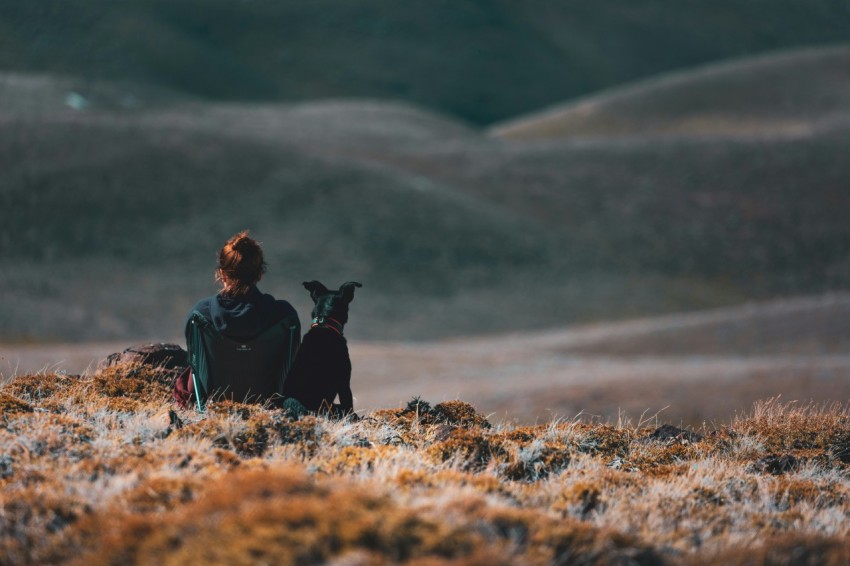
(242, 317)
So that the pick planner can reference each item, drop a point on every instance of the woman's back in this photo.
(237, 330)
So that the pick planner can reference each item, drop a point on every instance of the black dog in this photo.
(322, 368)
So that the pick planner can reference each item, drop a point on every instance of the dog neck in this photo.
(327, 322)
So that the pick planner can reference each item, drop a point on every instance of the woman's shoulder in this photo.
(281, 308)
(284, 310)
(203, 307)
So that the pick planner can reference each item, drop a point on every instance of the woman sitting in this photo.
(228, 334)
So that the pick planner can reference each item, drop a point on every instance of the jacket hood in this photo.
(244, 316)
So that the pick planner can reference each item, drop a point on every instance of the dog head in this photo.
(331, 304)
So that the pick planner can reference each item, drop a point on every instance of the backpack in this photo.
(246, 370)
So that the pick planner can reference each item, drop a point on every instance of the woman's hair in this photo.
(240, 264)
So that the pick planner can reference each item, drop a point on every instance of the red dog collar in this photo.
(327, 322)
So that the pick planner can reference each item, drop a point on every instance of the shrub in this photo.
(276, 516)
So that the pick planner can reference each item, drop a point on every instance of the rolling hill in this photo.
(482, 61)
(138, 203)
(112, 214)
(788, 94)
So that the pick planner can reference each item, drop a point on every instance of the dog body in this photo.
(322, 368)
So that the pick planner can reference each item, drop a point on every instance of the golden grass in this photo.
(94, 469)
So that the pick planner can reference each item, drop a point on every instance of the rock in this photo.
(774, 464)
(167, 356)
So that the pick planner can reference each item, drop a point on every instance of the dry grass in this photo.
(94, 469)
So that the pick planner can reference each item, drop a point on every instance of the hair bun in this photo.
(242, 243)
(240, 263)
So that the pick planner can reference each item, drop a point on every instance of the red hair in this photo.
(240, 264)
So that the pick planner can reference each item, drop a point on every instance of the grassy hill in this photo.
(810, 326)
(778, 94)
(452, 231)
(480, 61)
(100, 469)
(139, 204)
(736, 213)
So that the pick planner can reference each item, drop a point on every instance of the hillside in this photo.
(440, 221)
(480, 61)
(140, 201)
(809, 326)
(99, 469)
(716, 218)
(786, 94)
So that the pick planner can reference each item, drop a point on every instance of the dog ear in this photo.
(347, 290)
(315, 289)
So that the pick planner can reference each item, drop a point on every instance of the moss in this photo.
(604, 440)
(226, 407)
(708, 497)
(567, 541)
(10, 405)
(226, 458)
(136, 381)
(252, 439)
(208, 429)
(159, 494)
(123, 405)
(459, 413)
(354, 459)
(305, 433)
(534, 463)
(456, 413)
(471, 449)
(789, 492)
(579, 498)
(661, 459)
(787, 550)
(31, 517)
(38, 387)
(278, 516)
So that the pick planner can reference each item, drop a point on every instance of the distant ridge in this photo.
(480, 61)
(118, 212)
(781, 93)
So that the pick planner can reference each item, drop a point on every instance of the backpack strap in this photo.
(198, 359)
(293, 326)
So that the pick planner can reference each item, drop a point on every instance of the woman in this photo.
(240, 312)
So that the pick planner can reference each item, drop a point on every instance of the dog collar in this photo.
(328, 322)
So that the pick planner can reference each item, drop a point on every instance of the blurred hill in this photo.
(113, 211)
(787, 93)
(133, 203)
(481, 61)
